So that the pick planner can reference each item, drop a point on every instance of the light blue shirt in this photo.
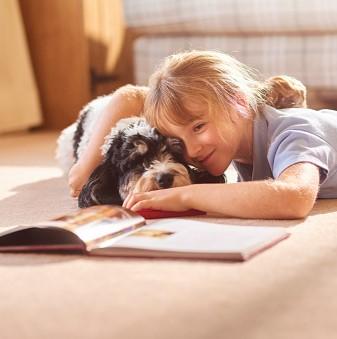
(288, 136)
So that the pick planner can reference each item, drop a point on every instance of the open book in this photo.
(114, 231)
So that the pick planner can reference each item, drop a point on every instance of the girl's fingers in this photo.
(131, 201)
(126, 201)
(141, 205)
(74, 193)
(133, 198)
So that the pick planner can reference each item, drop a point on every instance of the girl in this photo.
(284, 158)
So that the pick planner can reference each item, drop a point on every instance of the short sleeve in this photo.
(294, 146)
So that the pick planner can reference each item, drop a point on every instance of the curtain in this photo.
(104, 28)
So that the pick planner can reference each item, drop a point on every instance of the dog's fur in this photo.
(136, 159)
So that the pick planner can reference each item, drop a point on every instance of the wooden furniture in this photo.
(19, 108)
(59, 54)
(74, 46)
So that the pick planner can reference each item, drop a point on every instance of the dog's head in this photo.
(138, 159)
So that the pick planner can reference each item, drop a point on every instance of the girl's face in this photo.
(203, 144)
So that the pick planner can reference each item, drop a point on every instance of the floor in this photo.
(288, 291)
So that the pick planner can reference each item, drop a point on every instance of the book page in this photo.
(87, 226)
(192, 236)
(98, 223)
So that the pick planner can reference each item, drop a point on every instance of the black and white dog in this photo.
(137, 158)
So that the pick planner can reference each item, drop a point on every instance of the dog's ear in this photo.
(111, 148)
(101, 188)
(199, 176)
(125, 152)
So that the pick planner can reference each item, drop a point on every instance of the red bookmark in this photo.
(148, 213)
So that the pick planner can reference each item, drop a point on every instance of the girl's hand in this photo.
(77, 178)
(171, 199)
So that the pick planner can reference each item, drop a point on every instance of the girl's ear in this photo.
(242, 106)
(101, 188)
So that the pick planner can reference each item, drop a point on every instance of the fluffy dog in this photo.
(137, 158)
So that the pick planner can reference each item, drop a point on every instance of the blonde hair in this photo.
(285, 91)
(216, 79)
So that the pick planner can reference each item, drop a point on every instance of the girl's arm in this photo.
(291, 196)
(126, 101)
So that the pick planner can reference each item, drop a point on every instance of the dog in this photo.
(137, 158)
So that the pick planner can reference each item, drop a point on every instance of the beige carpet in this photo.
(288, 291)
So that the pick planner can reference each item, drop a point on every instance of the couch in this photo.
(294, 37)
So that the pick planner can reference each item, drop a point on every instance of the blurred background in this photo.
(56, 55)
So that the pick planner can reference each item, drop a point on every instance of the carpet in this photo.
(288, 291)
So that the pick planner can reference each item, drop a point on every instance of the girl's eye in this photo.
(198, 127)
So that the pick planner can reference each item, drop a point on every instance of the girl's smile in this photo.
(210, 147)
(204, 146)
(204, 160)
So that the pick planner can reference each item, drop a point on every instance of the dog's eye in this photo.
(174, 142)
(175, 145)
(141, 146)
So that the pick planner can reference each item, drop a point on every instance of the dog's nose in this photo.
(165, 180)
